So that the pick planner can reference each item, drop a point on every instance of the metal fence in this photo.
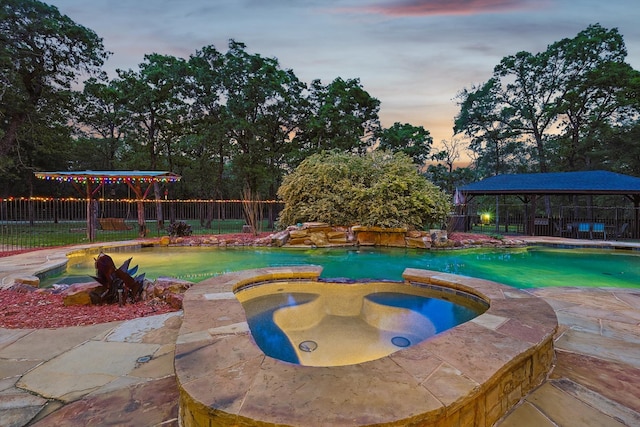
(590, 222)
(40, 222)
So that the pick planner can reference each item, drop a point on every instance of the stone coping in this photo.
(470, 375)
(46, 262)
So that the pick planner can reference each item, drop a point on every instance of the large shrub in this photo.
(376, 189)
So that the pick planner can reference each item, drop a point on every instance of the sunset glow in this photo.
(412, 55)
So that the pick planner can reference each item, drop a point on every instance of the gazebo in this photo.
(140, 183)
(529, 187)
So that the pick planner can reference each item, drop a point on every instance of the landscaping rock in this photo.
(280, 239)
(337, 237)
(418, 242)
(318, 238)
(80, 293)
(298, 234)
(164, 286)
(438, 236)
(174, 300)
(21, 288)
(29, 280)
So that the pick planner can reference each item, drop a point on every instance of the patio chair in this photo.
(622, 232)
(583, 227)
(598, 227)
(560, 231)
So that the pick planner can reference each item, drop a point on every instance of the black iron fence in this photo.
(590, 222)
(44, 222)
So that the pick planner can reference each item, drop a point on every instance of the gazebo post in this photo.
(636, 208)
(142, 225)
(91, 211)
(91, 208)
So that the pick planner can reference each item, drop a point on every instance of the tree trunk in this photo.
(159, 213)
(9, 138)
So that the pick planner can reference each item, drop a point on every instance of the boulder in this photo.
(301, 241)
(21, 288)
(367, 238)
(438, 236)
(280, 239)
(28, 280)
(148, 291)
(298, 234)
(379, 236)
(337, 237)
(175, 300)
(164, 286)
(418, 242)
(80, 293)
(395, 239)
(319, 238)
(315, 227)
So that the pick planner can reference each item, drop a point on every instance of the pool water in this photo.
(336, 324)
(529, 267)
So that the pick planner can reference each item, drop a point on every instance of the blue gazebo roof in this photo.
(579, 183)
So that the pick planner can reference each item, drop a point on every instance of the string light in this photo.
(76, 199)
(110, 177)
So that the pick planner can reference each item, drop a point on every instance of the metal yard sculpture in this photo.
(118, 284)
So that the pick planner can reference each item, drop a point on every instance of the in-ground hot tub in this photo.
(324, 323)
(470, 375)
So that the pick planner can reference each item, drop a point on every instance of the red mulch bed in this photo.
(456, 237)
(37, 310)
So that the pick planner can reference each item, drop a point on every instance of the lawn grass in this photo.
(47, 234)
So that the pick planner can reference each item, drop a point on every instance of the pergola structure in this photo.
(529, 187)
(140, 183)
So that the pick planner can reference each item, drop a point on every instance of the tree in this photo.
(622, 148)
(495, 145)
(573, 86)
(208, 148)
(340, 115)
(260, 114)
(101, 119)
(444, 172)
(157, 109)
(414, 141)
(42, 53)
(374, 189)
(601, 92)
(154, 100)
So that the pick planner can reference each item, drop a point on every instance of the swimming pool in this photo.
(529, 267)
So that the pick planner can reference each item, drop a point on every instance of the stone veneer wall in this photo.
(324, 235)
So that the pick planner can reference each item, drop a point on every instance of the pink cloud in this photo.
(446, 7)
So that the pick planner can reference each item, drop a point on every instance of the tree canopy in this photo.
(224, 120)
(552, 109)
(234, 120)
(42, 53)
(414, 141)
(373, 189)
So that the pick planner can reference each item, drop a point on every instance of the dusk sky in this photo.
(412, 55)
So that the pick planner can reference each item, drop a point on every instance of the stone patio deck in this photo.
(595, 381)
